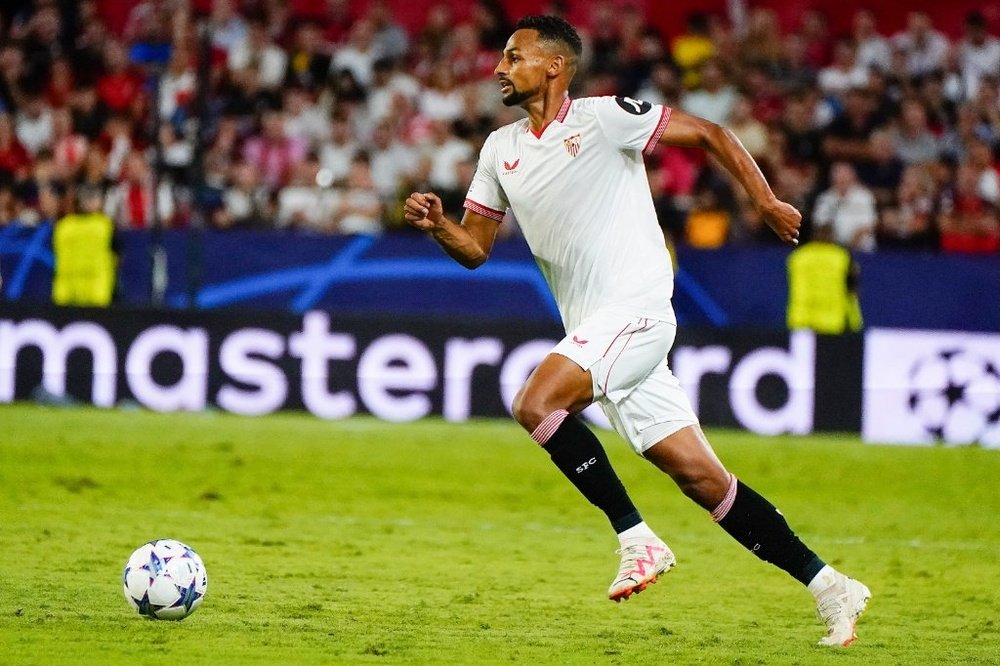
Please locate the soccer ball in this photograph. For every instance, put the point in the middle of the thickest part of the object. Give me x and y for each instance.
(164, 580)
(955, 395)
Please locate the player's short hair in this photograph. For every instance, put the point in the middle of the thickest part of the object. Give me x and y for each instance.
(554, 29)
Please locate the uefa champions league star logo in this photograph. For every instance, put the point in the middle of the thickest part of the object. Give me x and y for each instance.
(955, 395)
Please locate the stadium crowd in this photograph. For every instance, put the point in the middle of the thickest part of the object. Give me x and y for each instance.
(248, 116)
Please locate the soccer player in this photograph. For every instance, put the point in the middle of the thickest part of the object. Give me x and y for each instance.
(572, 174)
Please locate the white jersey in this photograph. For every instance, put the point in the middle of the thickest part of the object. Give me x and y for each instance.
(580, 194)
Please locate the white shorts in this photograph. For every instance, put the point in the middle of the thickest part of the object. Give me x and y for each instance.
(627, 359)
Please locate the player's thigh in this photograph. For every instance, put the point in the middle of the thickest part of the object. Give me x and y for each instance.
(653, 411)
(556, 383)
(619, 349)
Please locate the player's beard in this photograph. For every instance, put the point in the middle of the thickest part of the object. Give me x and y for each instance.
(517, 97)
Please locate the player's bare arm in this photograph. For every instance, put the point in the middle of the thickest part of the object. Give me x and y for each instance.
(468, 243)
(687, 130)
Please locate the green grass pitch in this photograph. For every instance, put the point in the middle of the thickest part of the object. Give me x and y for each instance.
(367, 542)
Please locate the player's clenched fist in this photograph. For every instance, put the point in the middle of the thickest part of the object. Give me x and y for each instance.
(785, 220)
(423, 211)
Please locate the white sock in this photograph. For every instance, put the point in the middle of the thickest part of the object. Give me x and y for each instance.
(826, 577)
(636, 531)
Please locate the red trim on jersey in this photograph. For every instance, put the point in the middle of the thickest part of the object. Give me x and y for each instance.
(564, 109)
(658, 132)
(607, 377)
(485, 211)
(560, 116)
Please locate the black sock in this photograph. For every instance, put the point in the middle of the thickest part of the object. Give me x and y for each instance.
(579, 455)
(755, 523)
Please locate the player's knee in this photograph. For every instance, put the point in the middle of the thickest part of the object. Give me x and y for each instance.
(528, 409)
(705, 487)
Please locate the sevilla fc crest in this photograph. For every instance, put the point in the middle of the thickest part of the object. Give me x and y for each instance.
(572, 145)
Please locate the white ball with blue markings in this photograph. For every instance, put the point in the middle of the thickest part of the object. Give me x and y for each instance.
(165, 580)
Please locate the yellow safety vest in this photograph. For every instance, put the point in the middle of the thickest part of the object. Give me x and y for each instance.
(85, 263)
(818, 293)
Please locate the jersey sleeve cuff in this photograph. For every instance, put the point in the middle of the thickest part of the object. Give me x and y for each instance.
(658, 132)
(485, 211)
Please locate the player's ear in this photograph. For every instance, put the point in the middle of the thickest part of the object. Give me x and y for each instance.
(557, 65)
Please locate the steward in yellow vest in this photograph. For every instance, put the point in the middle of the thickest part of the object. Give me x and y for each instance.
(822, 286)
(85, 259)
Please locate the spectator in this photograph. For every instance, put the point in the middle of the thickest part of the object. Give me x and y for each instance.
(359, 208)
(358, 56)
(304, 119)
(245, 202)
(260, 53)
(923, 47)
(795, 72)
(882, 172)
(85, 254)
(272, 152)
(766, 96)
(308, 65)
(708, 221)
(176, 153)
(12, 77)
(816, 33)
(69, 146)
(89, 115)
(978, 53)
(663, 86)
(43, 41)
(453, 199)
(715, 98)
(145, 19)
(751, 132)
(872, 50)
(844, 72)
(847, 136)
(445, 152)
(803, 139)
(434, 35)
(120, 86)
(301, 201)
(390, 160)
(338, 151)
(93, 171)
(915, 144)
(43, 193)
(441, 98)
(849, 207)
(388, 82)
(987, 179)
(692, 49)
(228, 28)
(760, 45)
(87, 56)
(116, 139)
(390, 39)
(942, 112)
(134, 203)
(470, 62)
(986, 107)
(971, 224)
(909, 224)
(15, 161)
(34, 124)
(492, 23)
(59, 89)
(177, 86)
(9, 212)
